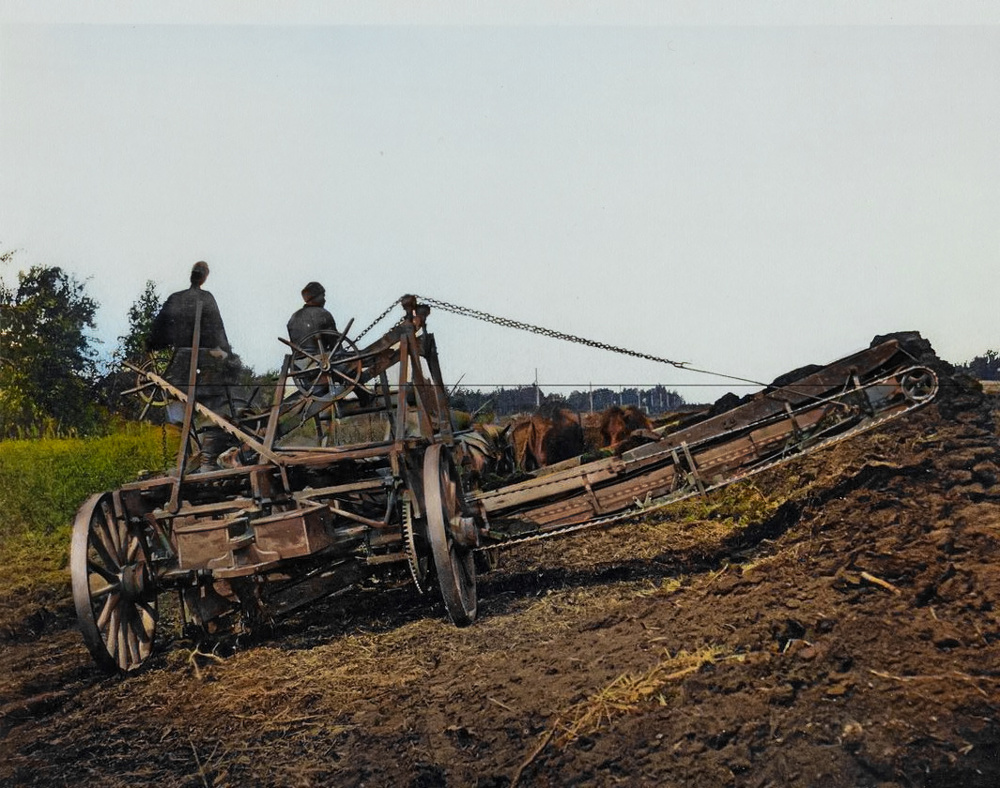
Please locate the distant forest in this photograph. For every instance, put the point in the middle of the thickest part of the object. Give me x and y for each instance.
(520, 399)
(985, 367)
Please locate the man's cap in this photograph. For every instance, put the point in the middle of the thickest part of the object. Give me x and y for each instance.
(313, 290)
(201, 267)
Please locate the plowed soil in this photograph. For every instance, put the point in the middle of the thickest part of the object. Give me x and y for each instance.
(849, 637)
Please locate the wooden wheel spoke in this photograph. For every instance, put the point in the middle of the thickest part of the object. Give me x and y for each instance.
(342, 375)
(103, 546)
(348, 358)
(121, 648)
(111, 626)
(104, 571)
(134, 548)
(303, 371)
(141, 388)
(110, 527)
(99, 593)
(105, 552)
(306, 354)
(134, 636)
(364, 388)
(133, 647)
(122, 530)
(110, 608)
(337, 345)
(137, 624)
(308, 379)
(150, 615)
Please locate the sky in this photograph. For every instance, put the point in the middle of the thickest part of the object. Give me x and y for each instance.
(747, 190)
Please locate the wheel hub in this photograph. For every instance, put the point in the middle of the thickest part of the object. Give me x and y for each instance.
(132, 579)
(464, 531)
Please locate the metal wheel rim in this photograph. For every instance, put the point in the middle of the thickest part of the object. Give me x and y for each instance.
(919, 385)
(456, 569)
(115, 600)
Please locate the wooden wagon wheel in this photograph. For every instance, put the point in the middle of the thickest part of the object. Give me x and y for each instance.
(325, 366)
(112, 587)
(455, 565)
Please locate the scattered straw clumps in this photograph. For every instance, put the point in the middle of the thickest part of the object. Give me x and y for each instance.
(628, 692)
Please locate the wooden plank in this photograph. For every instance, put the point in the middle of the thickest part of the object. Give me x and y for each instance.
(313, 492)
(554, 484)
(611, 498)
(236, 505)
(355, 517)
(330, 454)
(188, 407)
(275, 415)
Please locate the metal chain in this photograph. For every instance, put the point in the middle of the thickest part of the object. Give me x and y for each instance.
(378, 319)
(547, 332)
(163, 445)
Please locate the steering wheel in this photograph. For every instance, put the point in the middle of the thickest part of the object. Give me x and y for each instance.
(325, 365)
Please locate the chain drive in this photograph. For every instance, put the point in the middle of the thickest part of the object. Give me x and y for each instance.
(410, 545)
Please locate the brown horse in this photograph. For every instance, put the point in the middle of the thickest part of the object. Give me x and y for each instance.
(551, 435)
(617, 424)
(484, 450)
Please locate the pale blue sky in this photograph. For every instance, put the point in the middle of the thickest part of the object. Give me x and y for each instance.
(746, 197)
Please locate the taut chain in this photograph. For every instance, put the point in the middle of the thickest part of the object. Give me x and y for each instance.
(545, 332)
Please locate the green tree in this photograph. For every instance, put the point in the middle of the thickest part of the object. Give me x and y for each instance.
(132, 346)
(985, 367)
(48, 362)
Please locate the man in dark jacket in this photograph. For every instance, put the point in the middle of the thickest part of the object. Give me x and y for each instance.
(174, 325)
(312, 317)
(173, 328)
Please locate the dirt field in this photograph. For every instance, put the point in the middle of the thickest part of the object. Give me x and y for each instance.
(850, 638)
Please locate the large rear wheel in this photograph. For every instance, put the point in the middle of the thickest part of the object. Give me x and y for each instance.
(115, 598)
(453, 562)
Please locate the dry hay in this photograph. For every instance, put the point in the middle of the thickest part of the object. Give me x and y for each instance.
(629, 691)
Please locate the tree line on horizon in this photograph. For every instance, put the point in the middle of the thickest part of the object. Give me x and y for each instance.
(508, 400)
(55, 382)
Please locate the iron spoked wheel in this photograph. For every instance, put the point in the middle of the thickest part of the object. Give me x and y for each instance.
(455, 564)
(919, 385)
(150, 395)
(114, 596)
(325, 366)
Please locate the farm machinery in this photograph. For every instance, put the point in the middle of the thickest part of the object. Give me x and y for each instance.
(314, 509)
